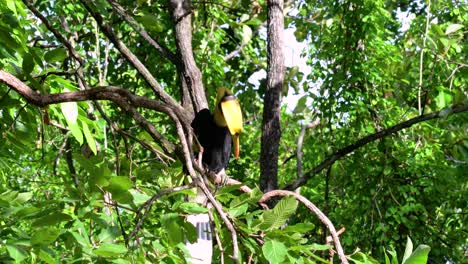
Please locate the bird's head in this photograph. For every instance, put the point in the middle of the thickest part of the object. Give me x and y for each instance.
(228, 113)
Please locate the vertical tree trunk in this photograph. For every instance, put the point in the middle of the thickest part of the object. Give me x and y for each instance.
(271, 130)
(190, 75)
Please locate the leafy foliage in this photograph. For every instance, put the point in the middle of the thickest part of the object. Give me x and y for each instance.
(73, 186)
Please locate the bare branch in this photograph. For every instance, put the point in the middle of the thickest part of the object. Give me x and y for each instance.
(316, 211)
(131, 58)
(457, 108)
(166, 53)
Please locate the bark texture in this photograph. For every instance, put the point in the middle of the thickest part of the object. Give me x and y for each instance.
(193, 94)
(271, 129)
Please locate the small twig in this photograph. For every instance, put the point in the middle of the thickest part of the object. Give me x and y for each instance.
(329, 240)
(59, 154)
(323, 218)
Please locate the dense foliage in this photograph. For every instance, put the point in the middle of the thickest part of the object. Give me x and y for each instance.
(76, 179)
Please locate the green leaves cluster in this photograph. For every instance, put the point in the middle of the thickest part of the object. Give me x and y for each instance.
(73, 189)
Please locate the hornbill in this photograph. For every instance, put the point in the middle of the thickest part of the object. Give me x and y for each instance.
(215, 133)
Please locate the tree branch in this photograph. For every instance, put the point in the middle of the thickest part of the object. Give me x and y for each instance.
(316, 211)
(457, 108)
(192, 85)
(166, 53)
(132, 59)
(123, 98)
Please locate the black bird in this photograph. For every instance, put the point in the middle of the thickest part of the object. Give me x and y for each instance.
(216, 132)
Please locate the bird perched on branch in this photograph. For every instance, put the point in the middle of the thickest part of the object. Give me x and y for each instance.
(216, 133)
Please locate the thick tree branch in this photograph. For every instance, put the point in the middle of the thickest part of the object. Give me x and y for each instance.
(121, 97)
(323, 218)
(192, 84)
(457, 108)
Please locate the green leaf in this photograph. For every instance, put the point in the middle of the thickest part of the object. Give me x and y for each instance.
(453, 28)
(51, 219)
(443, 99)
(275, 218)
(55, 55)
(28, 64)
(192, 208)
(299, 228)
(274, 251)
(23, 197)
(45, 236)
(238, 211)
(119, 188)
(408, 249)
(89, 138)
(81, 239)
(301, 105)
(70, 111)
(419, 256)
(46, 257)
(246, 33)
(17, 253)
(171, 225)
(110, 250)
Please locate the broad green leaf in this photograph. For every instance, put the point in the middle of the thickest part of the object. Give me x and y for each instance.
(55, 55)
(408, 249)
(394, 256)
(443, 99)
(89, 138)
(192, 208)
(300, 228)
(23, 197)
(109, 233)
(119, 187)
(276, 217)
(45, 236)
(11, 5)
(453, 28)
(170, 223)
(70, 111)
(274, 251)
(46, 257)
(246, 33)
(301, 105)
(110, 250)
(52, 219)
(238, 211)
(80, 239)
(16, 252)
(28, 63)
(419, 256)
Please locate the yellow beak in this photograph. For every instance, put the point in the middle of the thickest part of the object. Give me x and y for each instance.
(230, 116)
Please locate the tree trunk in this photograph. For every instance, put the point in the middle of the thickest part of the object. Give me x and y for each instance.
(271, 129)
